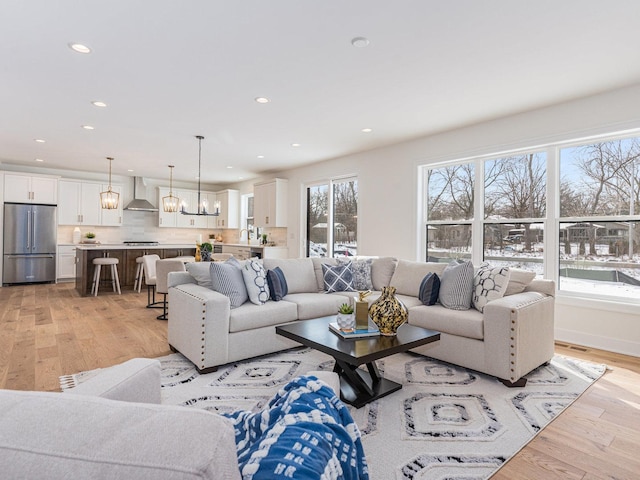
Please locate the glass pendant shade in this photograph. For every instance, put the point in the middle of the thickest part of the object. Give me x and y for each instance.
(109, 200)
(170, 203)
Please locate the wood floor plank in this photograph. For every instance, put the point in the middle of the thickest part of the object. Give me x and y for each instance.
(49, 330)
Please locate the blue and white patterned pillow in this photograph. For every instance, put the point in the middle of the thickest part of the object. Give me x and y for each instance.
(456, 286)
(338, 278)
(489, 283)
(255, 279)
(361, 269)
(226, 278)
(278, 288)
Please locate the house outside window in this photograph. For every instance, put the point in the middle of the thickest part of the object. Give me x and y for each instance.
(568, 211)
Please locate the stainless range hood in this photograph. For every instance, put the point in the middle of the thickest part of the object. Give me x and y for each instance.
(139, 202)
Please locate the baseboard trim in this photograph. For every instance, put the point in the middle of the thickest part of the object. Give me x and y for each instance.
(597, 341)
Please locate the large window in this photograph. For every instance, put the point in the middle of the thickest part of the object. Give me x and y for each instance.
(570, 212)
(450, 209)
(599, 248)
(332, 218)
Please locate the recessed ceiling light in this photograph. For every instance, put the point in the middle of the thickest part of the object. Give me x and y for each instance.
(260, 156)
(38, 140)
(87, 127)
(359, 42)
(262, 100)
(39, 160)
(130, 170)
(240, 178)
(367, 130)
(97, 103)
(295, 144)
(229, 167)
(78, 47)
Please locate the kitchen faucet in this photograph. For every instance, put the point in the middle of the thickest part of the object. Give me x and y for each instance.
(248, 235)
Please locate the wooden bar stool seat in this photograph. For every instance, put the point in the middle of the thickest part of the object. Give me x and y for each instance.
(115, 280)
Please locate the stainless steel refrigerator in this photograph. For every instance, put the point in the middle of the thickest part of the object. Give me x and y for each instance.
(29, 243)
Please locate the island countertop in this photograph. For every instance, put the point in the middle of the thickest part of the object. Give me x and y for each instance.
(122, 246)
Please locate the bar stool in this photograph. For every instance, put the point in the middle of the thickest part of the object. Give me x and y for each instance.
(115, 281)
(137, 284)
(163, 268)
(149, 262)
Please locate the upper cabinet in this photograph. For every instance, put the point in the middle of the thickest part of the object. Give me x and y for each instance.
(229, 209)
(80, 204)
(23, 188)
(270, 203)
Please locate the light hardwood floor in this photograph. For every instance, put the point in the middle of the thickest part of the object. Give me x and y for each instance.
(49, 330)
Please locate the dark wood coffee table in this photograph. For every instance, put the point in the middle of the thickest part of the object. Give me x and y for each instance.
(357, 386)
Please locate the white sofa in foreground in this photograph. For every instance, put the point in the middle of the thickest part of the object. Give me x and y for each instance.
(113, 427)
(513, 335)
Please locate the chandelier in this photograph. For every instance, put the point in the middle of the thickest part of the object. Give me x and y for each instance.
(170, 202)
(109, 199)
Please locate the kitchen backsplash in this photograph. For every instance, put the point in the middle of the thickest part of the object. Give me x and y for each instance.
(143, 226)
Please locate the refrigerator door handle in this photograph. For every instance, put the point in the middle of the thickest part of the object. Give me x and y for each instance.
(14, 255)
(28, 229)
(33, 229)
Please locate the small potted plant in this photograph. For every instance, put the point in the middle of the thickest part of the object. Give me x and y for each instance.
(345, 318)
(90, 237)
(205, 251)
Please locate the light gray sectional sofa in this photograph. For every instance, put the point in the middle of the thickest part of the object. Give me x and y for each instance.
(514, 334)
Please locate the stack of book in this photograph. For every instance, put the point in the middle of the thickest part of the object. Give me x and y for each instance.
(372, 331)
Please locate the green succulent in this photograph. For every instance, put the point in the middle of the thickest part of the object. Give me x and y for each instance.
(345, 308)
(90, 235)
(206, 246)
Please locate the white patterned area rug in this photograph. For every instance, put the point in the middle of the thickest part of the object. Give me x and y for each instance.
(446, 422)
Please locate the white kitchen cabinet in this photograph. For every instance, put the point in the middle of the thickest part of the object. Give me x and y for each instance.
(79, 203)
(108, 217)
(66, 261)
(229, 209)
(23, 188)
(270, 203)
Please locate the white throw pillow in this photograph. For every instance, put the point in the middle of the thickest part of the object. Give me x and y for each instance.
(519, 280)
(255, 279)
(489, 283)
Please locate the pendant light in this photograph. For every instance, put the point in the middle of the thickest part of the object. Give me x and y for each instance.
(202, 205)
(109, 199)
(170, 202)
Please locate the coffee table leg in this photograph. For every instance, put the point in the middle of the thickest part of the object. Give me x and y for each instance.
(359, 387)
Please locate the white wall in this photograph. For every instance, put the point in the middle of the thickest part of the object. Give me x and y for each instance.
(388, 195)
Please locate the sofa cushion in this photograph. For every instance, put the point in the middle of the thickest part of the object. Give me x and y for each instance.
(361, 268)
(59, 436)
(298, 272)
(463, 323)
(381, 271)
(317, 269)
(277, 284)
(315, 305)
(201, 272)
(429, 289)
(456, 286)
(227, 279)
(251, 316)
(338, 278)
(408, 275)
(489, 283)
(408, 301)
(519, 280)
(255, 279)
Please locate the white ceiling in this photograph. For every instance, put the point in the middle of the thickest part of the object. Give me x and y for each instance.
(172, 69)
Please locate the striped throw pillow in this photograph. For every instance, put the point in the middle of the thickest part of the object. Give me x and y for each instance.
(456, 286)
(226, 278)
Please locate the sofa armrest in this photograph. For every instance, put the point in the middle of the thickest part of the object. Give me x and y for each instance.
(136, 380)
(518, 333)
(198, 324)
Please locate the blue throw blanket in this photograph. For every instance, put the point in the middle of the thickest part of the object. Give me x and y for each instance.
(305, 432)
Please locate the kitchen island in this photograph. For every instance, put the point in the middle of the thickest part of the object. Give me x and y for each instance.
(126, 254)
